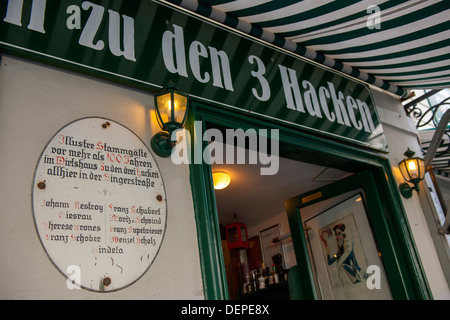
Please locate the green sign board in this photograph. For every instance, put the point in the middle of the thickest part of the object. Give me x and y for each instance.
(150, 43)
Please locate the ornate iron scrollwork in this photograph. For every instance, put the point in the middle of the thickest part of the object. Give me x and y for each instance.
(430, 117)
(437, 152)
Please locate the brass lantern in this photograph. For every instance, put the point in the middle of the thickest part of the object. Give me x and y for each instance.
(171, 111)
(413, 171)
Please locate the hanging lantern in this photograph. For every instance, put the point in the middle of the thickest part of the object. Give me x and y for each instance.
(237, 236)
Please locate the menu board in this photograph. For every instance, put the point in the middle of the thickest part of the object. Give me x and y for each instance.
(99, 204)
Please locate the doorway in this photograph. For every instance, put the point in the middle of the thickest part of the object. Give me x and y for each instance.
(296, 148)
(258, 201)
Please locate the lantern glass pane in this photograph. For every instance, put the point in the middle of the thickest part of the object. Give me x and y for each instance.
(421, 168)
(243, 233)
(164, 106)
(403, 169)
(413, 168)
(180, 103)
(232, 235)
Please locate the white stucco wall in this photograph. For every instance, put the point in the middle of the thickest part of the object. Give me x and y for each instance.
(400, 134)
(36, 101)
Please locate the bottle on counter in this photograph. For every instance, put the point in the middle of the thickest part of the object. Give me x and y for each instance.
(261, 282)
(254, 282)
(276, 276)
(270, 275)
(246, 285)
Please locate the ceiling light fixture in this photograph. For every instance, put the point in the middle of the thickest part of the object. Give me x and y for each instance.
(221, 180)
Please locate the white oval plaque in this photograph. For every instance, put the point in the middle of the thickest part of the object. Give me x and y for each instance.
(99, 204)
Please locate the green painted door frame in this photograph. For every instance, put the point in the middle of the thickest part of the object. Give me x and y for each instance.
(364, 183)
(392, 230)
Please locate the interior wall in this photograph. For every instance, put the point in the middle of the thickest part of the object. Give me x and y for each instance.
(288, 248)
(36, 101)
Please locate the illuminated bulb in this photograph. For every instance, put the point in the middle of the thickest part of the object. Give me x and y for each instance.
(412, 168)
(411, 165)
(221, 180)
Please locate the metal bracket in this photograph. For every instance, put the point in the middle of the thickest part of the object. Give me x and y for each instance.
(429, 156)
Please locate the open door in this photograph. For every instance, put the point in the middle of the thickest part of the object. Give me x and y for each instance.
(334, 231)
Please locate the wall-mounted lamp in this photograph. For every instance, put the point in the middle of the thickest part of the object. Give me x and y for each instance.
(171, 111)
(413, 171)
(221, 180)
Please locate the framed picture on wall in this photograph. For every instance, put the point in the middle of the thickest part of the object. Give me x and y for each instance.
(268, 247)
(342, 249)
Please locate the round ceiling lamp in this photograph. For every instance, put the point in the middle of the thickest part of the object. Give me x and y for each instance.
(221, 180)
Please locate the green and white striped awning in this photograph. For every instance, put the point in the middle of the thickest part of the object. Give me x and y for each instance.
(395, 45)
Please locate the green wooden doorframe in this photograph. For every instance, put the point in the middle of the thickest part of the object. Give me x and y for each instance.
(306, 147)
(398, 279)
(208, 230)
